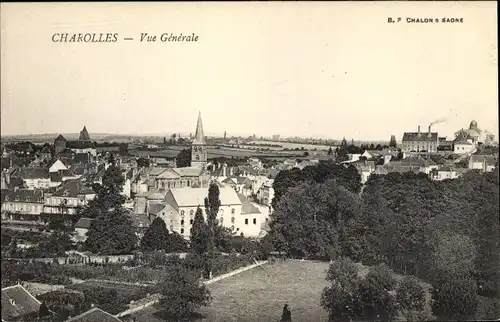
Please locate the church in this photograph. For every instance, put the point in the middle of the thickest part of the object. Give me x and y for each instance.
(195, 176)
(475, 135)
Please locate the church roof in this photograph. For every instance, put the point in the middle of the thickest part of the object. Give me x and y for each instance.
(199, 137)
(60, 138)
(84, 135)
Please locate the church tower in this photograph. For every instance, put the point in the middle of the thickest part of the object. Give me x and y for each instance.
(199, 147)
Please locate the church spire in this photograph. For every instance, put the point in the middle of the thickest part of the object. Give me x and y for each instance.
(84, 134)
(199, 138)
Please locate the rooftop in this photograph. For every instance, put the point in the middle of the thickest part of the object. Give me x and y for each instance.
(17, 302)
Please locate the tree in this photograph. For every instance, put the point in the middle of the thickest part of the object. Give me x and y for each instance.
(184, 158)
(330, 151)
(182, 292)
(156, 236)
(381, 277)
(344, 273)
(199, 234)
(311, 219)
(375, 302)
(43, 311)
(212, 205)
(454, 299)
(410, 297)
(111, 232)
(177, 243)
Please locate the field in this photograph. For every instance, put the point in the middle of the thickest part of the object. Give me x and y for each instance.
(226, 152)
(258, 295)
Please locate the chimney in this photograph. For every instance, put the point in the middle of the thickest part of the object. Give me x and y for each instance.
(418, 130)
(429, 133)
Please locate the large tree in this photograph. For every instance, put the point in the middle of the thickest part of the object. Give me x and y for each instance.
(182, 293)
(312, 219)
(111, 232)
(184, 158)
(156, 236)
(410, 297)
(454, 298)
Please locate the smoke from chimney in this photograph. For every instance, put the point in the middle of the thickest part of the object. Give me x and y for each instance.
(437, 121)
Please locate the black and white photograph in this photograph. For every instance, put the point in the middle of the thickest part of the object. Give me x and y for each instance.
(300, 161)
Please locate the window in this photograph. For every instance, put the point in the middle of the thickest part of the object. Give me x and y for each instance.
(191, 221)
(182, 230)
(232, 227)
(171, 228)
(182, 222)
(189, 183)
(221, 219)
(255, 221)
(232, 220)
(182, 213)
(232, 211)
(246, 221)
(191, 212)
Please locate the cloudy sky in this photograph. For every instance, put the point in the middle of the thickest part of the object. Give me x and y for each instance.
(305, 69)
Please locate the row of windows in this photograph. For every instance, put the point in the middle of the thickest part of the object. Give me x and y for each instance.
(174, 184)
(28, 208)
(221, 212)
(254, 221)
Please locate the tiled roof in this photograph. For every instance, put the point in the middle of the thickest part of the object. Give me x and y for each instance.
(60, 138)
(94, 315)
(192, 197)
(490, 159)
(33, 173)
(422, 136)
(380, 170)
(24, 195)
(139, 220)
(72, 189)
(169, 174)
(462, 143)
(156, 207)
(46, 149)
(84, 223)
(247, 207)
(17, 302)
(188, 171)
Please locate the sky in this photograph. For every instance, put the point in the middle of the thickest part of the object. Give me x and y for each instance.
(309, 69)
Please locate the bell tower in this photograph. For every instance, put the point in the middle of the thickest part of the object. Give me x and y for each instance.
(199, 147)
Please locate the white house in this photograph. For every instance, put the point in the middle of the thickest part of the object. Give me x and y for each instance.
(485, 163)
(22, 202)
(34, 178)
(265, 194)
(463, 147)
(68, 197)
(180, 204)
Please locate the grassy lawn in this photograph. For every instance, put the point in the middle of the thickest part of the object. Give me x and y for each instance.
(259, 295)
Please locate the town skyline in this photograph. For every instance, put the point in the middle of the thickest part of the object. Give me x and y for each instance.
(313, 72)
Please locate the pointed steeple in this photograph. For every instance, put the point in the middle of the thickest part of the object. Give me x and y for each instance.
(84, 135)
(199, 138)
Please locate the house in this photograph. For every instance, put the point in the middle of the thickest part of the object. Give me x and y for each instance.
(251, 218)
(241, 185)
(420, 142)
(365, 169)
(265, 194)
(463, 147)
(418, 164)
(59, 144)
(68, 197)
(445, 172)
(95, 314)
(46, 154)
(484, 163)
(18, 304)
(81, 228)
(34, 178)
(82, 147)
(183, 203)
(57, 166)
(22, 203)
